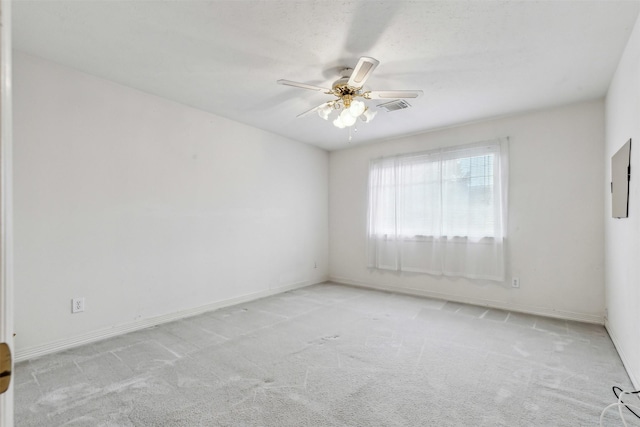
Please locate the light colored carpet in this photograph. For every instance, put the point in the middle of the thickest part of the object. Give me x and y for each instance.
(331, 355)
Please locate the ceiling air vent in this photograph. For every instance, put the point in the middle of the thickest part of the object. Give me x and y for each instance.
(398, 104)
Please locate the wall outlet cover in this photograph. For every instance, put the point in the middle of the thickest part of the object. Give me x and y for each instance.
(77, 305)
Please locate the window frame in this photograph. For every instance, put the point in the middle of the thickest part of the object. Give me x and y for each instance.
(484, 148)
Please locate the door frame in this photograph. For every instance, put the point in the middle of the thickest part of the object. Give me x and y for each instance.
(6, 205)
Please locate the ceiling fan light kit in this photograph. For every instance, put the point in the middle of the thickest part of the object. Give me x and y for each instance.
(346, 89)
(368, 115)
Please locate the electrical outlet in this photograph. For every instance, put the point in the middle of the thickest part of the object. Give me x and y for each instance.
(515, 282)
(77, 305)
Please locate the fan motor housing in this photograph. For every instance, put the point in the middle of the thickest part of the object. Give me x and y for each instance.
(341, 82)
(341, 88)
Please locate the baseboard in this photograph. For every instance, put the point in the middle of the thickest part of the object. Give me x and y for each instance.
(623, 357)
(539, 311)
(98, 335)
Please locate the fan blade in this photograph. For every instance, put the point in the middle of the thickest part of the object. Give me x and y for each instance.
(392, 94)
(302, 85)
(363, 70)
(306, 113)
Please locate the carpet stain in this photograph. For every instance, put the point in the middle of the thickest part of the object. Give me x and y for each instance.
(550, 380)
(188, 382)
(322, 340)
(60, 396)
(502, 395)
(520, 351)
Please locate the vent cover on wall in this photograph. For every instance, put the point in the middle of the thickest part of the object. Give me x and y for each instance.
(398, 104)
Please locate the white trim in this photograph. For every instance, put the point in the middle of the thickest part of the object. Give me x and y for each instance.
(623, 357)
(101, 334)
(6, 205)
(538, 311)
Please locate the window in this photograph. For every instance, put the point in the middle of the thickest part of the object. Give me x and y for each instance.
(440, 212)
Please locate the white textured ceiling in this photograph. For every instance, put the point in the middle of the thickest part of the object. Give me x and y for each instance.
(472, 59)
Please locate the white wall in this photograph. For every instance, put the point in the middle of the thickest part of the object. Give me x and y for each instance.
(148, 208)
(622, 236)
(555, 233)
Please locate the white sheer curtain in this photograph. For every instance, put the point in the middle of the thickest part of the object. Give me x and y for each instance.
(440, 212)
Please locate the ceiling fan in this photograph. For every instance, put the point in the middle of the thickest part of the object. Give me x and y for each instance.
(347, 89)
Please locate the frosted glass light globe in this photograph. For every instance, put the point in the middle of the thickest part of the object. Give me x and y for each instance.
(338, 123)
(347, 118)
(324, 111)
(369, 115)
(356, 108)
